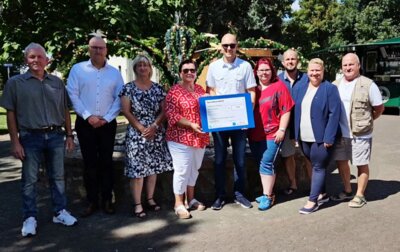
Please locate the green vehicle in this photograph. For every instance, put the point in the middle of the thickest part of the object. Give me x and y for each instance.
(381, 62)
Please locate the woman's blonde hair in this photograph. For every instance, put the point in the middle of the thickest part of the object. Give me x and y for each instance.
(317, 61)
(142, 58)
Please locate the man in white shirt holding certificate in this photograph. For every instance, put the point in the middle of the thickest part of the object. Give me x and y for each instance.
(230, 75)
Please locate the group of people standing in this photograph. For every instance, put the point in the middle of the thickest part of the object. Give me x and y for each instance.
(328, 121)
(164, 132)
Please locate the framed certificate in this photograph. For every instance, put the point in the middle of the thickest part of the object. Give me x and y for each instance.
(226, 112)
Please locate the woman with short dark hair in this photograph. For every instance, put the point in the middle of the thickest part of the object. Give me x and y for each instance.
(186, 141)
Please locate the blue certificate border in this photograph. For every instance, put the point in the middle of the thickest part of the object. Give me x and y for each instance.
(203, 112)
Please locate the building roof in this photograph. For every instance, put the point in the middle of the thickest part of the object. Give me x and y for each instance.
(391, 41)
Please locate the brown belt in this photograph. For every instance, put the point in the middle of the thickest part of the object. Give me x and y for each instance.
(45, 130)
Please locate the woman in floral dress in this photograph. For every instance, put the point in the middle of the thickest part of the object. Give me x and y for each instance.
(146, 150)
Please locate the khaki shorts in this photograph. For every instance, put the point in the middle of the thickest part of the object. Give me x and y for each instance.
(288, 146)
(342, 149)
(357, 150)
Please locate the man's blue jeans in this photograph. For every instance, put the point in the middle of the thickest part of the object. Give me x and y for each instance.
(50, 148)
(221, 143)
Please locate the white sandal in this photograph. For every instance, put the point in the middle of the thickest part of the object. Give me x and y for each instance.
(194, 204)
(181, 212)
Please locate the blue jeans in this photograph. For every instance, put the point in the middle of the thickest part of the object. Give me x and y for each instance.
(268, 159)
(37, 146)
(319, 157)
(221, 143)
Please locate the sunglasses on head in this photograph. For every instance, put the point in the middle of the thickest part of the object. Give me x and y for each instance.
(232, 46)
(187, 70)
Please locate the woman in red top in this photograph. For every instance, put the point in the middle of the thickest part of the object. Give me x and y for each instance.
(186, 141)
(273, 104)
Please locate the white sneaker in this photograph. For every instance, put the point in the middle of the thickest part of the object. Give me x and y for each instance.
(29, 227)
(65, 218)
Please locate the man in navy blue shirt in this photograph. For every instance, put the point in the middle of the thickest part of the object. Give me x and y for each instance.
(291, 77)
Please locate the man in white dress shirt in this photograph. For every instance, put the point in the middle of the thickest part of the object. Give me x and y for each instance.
(93, 87)
(230, 75)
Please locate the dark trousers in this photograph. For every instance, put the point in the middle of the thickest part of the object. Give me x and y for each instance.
(97, 146)
(221, 143)
(319, 157)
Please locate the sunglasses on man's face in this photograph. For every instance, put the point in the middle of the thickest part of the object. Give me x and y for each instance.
(232, 46)
(187, 70)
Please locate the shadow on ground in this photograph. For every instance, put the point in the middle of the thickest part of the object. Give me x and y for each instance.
(120, 232)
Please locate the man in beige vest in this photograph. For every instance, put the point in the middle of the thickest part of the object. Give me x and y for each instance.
(361, 105)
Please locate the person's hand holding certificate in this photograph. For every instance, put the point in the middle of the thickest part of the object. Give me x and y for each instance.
(226, 112)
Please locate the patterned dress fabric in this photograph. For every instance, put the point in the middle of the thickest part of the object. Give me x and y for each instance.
(145, 157)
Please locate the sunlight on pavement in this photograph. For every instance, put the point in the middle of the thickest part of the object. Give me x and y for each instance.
(142, 228)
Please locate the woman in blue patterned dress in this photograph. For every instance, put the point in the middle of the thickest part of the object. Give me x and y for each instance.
(146, 149)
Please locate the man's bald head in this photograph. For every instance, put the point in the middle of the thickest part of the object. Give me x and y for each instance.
(351, 66)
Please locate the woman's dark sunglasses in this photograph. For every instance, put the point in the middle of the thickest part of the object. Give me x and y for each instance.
(187, 70)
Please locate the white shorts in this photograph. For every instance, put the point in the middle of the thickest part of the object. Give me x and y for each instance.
(361, 151)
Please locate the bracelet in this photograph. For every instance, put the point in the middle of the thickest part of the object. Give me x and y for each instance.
(282, 129)
(71, 136)
(155, 126)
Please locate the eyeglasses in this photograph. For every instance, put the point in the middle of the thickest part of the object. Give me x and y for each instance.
(100, 48)
(187, 70)
(263, 70)
(232, 46)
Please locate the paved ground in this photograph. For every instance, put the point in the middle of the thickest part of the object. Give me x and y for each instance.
(335, 227)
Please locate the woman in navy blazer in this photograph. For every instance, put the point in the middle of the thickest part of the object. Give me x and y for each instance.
(317, 113)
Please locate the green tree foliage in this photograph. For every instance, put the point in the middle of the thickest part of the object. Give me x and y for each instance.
(325, 23)
(62, 26)
(378, 20)
(360, 21)
(310, 27)
(247, 18)
(264, 18)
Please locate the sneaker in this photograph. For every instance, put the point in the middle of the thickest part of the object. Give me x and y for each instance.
(29, 227)
(266, 203)
(241, 200)
(309, 210)
(342, 196)
(259, 198)
(322, 199)
(65, 218)
(218, 204)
